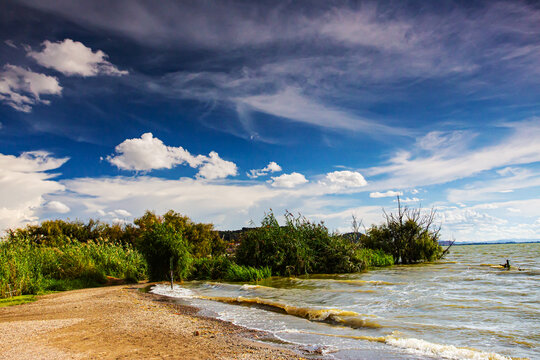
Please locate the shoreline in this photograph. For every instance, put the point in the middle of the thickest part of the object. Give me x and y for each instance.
(121, 322)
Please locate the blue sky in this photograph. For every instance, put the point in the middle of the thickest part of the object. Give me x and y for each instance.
(224, 110)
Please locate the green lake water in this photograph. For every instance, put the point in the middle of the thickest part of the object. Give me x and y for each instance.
(464, 307)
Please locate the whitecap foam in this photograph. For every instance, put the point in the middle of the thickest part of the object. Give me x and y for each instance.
(441, 351)
(176, 291)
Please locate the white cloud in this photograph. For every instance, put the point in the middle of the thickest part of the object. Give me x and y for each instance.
(74, 58)
(345, 179)
(496, 188)
(289, 103)
(122, 212)
(288, 180)
(57, 207)
(487, 222)
(215, 167)
(10, 43)
(445, 165)
(23, 185)
(482, 206)
(408, 200)
(389, 193)
(451, 141)
(227, 205)
(22, 88)
(414, 191)
(149, 153)
(270, 168)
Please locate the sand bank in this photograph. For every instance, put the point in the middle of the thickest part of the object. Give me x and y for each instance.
(120, 322)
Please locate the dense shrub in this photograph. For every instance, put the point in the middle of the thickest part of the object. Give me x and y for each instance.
(210, 268)
(408, 235)
(163, 246)
(299, 247)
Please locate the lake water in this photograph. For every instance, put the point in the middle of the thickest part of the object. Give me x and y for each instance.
(464, 307)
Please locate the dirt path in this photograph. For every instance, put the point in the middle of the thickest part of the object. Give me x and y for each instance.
(119, 322)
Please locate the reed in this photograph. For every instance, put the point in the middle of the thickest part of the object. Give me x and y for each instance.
(26, 268)
(246, 273)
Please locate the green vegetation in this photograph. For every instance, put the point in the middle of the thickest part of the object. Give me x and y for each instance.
(210, 268)
(17, 300)
(63, 255)
(163, 246)
(223, 268)
(201, 239)
(300, 247)
(60, 232)
(246, 273)
(408, 235)
(27, 268)
(375, 258)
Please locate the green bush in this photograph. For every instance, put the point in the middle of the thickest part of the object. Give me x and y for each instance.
(408, 235)
(299, 247)
(210, 268)
(162, 246)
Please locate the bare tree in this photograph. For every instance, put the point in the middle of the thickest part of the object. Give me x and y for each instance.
(407, 225)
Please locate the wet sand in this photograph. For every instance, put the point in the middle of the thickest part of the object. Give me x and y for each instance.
(120, 322)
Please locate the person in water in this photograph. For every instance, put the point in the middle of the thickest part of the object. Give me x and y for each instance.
(507, 265)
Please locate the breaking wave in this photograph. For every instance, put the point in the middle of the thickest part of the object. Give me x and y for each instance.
(333, 316)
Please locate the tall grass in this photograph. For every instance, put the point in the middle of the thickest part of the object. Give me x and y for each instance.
(223, 268)
(375, 258)
(246, 273)
(30, 269)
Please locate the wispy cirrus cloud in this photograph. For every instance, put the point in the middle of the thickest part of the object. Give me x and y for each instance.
(406, 169)
(511, 179)
(291, 104)
(329, 57)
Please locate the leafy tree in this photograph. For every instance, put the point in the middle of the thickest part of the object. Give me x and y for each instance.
(410, 236)
(159, 243)
(202, 239)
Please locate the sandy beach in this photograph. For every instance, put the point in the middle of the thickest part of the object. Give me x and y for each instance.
(120, 322)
